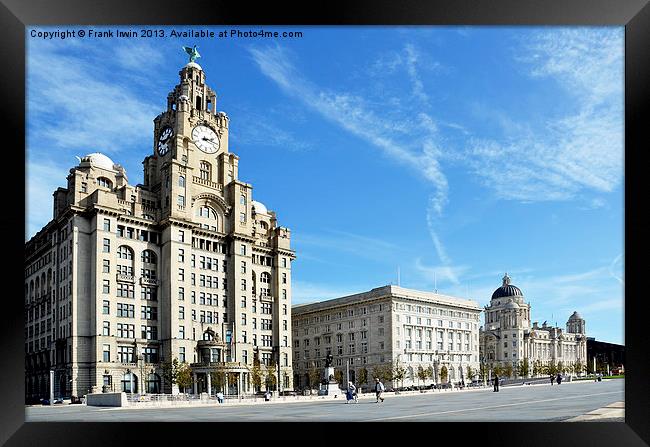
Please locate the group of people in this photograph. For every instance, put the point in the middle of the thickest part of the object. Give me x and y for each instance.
(557, 379)
(351, 392)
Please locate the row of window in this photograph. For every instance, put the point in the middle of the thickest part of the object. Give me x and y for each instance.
(128, 331)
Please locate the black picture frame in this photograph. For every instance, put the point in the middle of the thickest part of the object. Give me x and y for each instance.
(16, 15)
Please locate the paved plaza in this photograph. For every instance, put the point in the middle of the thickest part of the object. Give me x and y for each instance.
(517, 403)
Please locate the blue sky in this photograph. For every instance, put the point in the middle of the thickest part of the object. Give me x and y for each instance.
(452, 153)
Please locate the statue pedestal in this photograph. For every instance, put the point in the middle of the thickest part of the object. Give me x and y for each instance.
(331, 387)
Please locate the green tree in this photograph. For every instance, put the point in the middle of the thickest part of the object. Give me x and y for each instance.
(524, 368)
(430, 373)
(508, 370)
(470, 373)
(398, 372)
(338, 376)
(257, 374)
(314, 377)
(482, 371)
(363, 376)
(444, 374)
(552, 368)
(184, 376)
(498, 370)
(422, 374)
(269, 371)
(217, 380)
(170, 371)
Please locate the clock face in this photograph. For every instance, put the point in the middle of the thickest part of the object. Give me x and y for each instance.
(205, 139)
(164, 140)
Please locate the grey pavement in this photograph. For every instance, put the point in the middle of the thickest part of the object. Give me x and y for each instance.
(516, 403)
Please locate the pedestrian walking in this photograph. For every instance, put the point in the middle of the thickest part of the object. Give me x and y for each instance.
(552, 379)
(220, 397)
(379, 389)
(559, 378)
(351, 393)
(496, 383)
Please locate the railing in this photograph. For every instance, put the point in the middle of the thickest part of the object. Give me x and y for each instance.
(208, 183)
(148, 281)
(125, 278)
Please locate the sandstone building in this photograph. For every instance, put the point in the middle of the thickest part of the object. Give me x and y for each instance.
(186, 265)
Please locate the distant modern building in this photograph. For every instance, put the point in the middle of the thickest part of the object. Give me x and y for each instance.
(508, 337)
(386, 325)
(606, 354)
(185, 266)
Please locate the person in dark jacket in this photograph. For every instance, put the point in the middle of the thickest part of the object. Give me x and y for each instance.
(552, 379)
(496, 383)
(559, 378)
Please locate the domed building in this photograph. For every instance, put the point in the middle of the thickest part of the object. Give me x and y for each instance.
(509, 339)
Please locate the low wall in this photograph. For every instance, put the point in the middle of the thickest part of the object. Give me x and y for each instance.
(106, 400)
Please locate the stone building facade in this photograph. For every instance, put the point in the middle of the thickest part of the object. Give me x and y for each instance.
(508, 336)
(186, 266)
(383, 326)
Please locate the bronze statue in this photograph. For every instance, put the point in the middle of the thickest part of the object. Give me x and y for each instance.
(328, 360)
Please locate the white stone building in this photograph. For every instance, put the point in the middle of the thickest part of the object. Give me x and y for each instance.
(386, 325)
(184, 266)
(508, 337)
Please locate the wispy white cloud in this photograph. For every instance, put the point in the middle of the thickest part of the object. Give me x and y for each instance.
(357, 116)
(349, 243)
(562, 157)
(437, 275)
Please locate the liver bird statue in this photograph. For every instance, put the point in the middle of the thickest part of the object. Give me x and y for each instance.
(194, 54)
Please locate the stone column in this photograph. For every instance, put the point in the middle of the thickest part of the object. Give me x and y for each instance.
(194, 381)
(209, 384)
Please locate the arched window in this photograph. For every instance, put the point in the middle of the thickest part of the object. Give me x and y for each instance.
(153, 383)
(126, 383)
(242, 200)
(124, 252)
(265, 278)
(106, 183)
(207, 212)
(149, 257)
(38, 287)
(205, 170)
(181, 181)
(208, 335)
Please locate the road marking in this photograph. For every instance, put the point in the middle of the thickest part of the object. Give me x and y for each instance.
(486, 408)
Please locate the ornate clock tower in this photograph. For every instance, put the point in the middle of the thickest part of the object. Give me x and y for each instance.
(226, 294)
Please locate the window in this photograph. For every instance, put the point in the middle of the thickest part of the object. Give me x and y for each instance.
(242, 217)
(106, 353)
(104, 182)
(284, 262)
(266, 308)
(149, 332)
(181, 236)
(243, 267)
(181, 354)
(181, 274)
(205, 170)
(125, 290)
(126, 354)
(243, 284)
(106, 286)
(84, 187)
(242, 250)
(107, 225)
(106, 307)
(107, 246)
(148, 293)
(181, 313)
(149, 257)
(181, 200)
(181, 293)
(106, 266)
(149, 313)
(106, 329)
(181, 331)
(181, 181)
